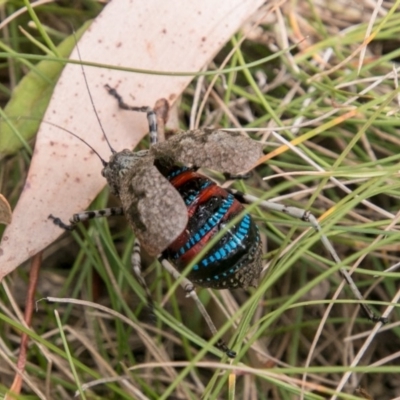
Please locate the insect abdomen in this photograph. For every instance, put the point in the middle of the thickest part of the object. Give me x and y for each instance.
(235, 259)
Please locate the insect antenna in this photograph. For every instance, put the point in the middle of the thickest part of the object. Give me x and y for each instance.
(91, 98)
(8, 119)
(104, 162)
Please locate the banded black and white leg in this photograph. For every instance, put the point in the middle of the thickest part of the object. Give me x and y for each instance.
(86, 215)
(186, 285)
(190, 290)
(151, 115)
(306, 216)
(105, 213)
(136, 263)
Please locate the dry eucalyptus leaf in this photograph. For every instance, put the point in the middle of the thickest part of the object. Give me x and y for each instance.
(5, 211)
(65, 174)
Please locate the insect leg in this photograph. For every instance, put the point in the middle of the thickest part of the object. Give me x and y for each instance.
(137, 270)
(76, 218)
(151, 115)
(308, 217)
(189, 288)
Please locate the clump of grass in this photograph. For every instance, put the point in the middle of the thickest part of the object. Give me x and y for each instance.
(328, 112)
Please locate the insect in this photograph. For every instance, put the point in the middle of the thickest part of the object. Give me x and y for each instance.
(175, 211)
